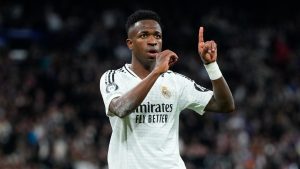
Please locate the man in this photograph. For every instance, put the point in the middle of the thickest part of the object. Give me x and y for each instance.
(144, 99)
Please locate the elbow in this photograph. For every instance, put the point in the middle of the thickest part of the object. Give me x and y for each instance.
(121, 114)
(229, 108)
(226, 107)
(119, 110)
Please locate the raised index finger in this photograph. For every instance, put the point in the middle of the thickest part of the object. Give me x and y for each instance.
(201, 30)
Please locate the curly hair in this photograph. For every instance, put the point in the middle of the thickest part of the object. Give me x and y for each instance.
(141, 15)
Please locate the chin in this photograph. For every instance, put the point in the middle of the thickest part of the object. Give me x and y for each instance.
(149, 64)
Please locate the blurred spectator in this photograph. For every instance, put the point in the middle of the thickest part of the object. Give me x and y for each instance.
(52, 54)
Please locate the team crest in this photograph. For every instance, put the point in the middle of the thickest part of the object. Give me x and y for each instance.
(111, 87)
(165, 92)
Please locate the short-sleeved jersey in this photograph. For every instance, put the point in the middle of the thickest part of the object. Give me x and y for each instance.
(149, 136)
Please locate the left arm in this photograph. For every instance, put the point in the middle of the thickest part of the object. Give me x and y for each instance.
(222, 100)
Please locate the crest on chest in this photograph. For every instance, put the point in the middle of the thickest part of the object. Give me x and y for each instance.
(165, 91)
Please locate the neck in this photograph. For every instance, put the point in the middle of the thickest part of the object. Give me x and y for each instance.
(140, 70)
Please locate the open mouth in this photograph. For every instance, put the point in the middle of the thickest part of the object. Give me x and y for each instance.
(152, 53)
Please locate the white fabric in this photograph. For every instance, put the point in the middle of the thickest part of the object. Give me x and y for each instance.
(148, 137)
(213, 71)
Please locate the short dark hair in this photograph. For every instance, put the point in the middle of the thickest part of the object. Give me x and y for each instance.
(139, 15)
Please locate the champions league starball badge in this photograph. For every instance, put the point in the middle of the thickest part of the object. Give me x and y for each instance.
(111, 87)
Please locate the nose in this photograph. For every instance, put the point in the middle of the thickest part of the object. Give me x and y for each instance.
(152, 41)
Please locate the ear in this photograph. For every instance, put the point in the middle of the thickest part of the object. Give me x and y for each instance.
(129, 43)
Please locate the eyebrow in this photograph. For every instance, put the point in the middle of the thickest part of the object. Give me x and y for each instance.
(156, 32)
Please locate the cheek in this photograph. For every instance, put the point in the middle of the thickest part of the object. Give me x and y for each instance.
(140, 46)
(137, 49)
(159, 43)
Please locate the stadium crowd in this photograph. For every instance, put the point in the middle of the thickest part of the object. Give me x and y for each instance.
(52, 54)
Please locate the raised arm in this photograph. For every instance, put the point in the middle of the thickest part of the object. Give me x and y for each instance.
(222, 100)
(125, 104)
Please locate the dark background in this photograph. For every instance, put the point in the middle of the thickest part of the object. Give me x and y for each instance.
(53, 53)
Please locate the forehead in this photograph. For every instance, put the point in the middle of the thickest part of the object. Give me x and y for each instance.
(145, 25)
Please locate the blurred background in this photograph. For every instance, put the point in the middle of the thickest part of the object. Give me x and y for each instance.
(53, 53)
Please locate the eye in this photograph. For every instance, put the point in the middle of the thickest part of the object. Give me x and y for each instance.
(158, 36)
(143, 36)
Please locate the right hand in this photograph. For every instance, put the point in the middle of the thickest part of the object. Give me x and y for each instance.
(207, 50)
(164, 60)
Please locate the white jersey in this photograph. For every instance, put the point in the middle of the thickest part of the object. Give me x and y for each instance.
(148, 137)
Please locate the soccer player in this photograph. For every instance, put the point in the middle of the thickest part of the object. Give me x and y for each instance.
(143, 99)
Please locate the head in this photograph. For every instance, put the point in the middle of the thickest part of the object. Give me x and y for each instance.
(144, 36)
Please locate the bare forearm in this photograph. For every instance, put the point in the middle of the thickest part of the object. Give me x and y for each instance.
(125, 104)
(222, 95)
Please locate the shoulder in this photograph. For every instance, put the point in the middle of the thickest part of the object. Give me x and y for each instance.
(188, 82)
(113, 72)
(109, 75)
(179, 76)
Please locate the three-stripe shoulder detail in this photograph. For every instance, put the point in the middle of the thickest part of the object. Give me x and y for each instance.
(110, 76)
